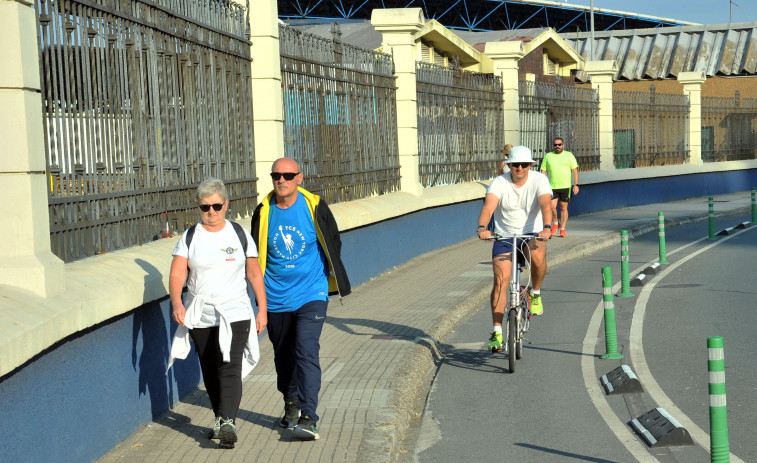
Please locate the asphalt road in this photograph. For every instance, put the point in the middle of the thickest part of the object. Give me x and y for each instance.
(553, 407)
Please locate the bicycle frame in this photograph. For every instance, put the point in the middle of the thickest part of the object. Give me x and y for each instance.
(516, 313)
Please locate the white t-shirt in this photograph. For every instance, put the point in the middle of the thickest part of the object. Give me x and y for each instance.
(217, 270)
(518, 211)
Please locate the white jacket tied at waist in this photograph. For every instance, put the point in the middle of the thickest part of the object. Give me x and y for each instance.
(180, 346)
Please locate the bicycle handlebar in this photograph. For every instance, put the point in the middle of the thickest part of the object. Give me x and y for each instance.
(497, 237)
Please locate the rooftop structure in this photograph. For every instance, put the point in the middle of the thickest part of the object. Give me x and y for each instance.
(478, 15)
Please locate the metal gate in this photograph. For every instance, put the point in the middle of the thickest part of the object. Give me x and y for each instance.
(340, 115)
(548, 111)
(651, 129)
(460, 124)
(729, 128)
(142, 100)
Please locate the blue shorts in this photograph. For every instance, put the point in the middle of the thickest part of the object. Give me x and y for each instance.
(506, 246)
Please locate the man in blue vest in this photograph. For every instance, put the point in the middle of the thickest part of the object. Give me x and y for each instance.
(299, 253)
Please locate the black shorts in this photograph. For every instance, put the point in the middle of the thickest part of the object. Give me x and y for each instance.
(563, 194)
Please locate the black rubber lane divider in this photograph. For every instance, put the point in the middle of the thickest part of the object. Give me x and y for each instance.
(659, 429)
(621, 380)
(638, 280)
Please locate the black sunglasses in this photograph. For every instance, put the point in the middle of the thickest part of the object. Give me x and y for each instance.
(287, 175)
(522, 165)
(206, 207)
(558, 144)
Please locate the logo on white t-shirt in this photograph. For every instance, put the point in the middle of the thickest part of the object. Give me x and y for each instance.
(289, 242)
(229, 253)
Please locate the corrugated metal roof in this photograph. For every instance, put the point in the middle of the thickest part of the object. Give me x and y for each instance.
(725, 50)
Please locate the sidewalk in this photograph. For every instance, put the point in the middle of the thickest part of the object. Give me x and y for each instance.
(378, 352)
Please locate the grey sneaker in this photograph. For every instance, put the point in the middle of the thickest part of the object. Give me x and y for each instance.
(227, 434)
(291, 414)
(306, 429)
(216, 428)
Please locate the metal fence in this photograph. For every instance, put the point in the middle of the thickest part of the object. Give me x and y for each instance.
(548, 111)
(650, 129)
(142, 100)
(340, 115)
(460, 125)
(729, 128)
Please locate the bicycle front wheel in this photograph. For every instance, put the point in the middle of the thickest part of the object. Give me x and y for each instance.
(512, 337)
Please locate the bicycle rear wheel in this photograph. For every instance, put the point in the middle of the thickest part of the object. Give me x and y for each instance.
(512, 336)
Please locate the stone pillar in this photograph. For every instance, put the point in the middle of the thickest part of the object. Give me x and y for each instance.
(25, 258)
(505, 56)
(602, 74)
(692, 86)
(267, 104)
(398, 27)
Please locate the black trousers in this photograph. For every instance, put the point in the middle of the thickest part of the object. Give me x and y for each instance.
(223, 381)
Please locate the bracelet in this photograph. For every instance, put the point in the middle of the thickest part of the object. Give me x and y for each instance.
(481, 226)
(547, 226)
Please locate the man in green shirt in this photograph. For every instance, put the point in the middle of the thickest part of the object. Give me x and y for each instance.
(559, 165)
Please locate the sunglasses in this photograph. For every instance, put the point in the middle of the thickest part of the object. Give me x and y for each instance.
(558, 144)
(206, 207)
(522, 165)
(287, 175)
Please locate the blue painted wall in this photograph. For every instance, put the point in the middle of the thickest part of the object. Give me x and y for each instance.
(92, 390)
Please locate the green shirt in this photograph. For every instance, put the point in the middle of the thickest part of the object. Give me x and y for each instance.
(558, 168)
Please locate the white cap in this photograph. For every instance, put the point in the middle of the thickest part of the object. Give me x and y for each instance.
(520, 153)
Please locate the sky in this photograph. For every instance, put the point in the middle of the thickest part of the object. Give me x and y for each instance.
(698, 11)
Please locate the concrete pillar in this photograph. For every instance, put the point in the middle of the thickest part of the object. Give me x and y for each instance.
(398, 27)
(602, 74)
(267, 104)
(692, 86)
(25, 258)
(505, 56)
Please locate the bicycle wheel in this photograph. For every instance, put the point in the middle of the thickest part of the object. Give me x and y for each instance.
(519, 342)
(512, 336)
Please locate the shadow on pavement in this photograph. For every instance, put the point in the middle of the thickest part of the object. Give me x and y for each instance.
(574, 456)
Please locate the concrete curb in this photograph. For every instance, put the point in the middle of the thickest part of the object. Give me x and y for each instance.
(382, 441)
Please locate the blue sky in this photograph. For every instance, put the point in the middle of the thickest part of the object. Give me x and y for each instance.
(698, 11)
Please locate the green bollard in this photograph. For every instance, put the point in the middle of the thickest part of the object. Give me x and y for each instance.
(718, 413)
(625, 287)
(661, 233)
(611, 336)
(754, 208)
(712, 219)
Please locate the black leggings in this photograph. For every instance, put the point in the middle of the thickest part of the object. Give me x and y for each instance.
(223, 381)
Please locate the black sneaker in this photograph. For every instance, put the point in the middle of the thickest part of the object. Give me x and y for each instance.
(227, 434)
(306, 429)
(291, 414)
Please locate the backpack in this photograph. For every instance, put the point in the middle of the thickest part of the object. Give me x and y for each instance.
(237, 228)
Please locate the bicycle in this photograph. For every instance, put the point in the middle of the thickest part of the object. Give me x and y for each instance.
(518, 308)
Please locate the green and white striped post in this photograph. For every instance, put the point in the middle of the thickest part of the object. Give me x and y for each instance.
(611, 336)
(754, 208)
(719, 451)
(712, 219)
(661, 234)
(625, 286)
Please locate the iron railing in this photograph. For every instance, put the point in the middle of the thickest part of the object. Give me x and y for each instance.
(460, 124)
(548, 111)
(340, 116)
(650, 129)
(729, 128)
(142, 100)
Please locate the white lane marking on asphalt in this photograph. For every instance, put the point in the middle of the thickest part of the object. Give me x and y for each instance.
(639, 360)
(598, 397)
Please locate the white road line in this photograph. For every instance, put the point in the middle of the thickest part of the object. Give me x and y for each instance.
(640, 363)
(597, 395)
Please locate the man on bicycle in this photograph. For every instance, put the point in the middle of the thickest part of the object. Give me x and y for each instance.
(520, 201)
